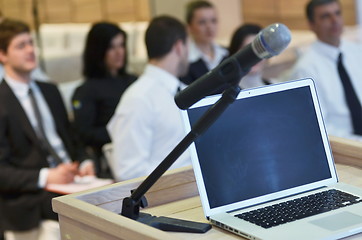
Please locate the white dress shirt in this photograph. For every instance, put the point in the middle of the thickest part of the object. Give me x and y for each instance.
(146, 126)
(21, 91)
(195, 54)
(320, 64)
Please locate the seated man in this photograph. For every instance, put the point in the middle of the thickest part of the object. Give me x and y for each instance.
(37, 146)
(37, 73)
(334, 64)
(147, 124)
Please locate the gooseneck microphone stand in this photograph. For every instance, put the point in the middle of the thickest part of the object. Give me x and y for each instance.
(131, 205)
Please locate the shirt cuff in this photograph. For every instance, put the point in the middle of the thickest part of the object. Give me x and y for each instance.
(43, 175)
(85, 163)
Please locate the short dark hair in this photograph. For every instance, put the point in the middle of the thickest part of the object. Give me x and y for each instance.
(309, 10)
(192, 6)
(162, 33)
(9, 28)
(240, 34)
(97, 43)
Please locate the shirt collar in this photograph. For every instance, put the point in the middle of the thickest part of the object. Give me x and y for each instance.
(20, 89)
(195, 53)
(166, 79)
(328, 50)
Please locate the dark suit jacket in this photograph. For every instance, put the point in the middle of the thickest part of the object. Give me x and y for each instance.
(22, 203)
(196, 70)
(94, 103)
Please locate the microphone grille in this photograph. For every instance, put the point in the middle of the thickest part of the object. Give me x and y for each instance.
(271, 41)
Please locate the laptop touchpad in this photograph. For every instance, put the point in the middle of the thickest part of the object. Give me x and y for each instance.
(338, 221)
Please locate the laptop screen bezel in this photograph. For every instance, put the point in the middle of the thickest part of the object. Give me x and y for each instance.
(262, 199)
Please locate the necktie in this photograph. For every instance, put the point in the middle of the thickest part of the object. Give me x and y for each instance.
(53, 158)
(352, 100)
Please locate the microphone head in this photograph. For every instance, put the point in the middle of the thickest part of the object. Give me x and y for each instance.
(271, 41)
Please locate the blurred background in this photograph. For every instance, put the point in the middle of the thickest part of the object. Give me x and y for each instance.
(60, 27)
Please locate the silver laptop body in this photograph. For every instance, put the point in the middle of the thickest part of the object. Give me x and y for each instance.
(269, 146)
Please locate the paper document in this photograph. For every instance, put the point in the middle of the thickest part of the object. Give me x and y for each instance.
(79, 184)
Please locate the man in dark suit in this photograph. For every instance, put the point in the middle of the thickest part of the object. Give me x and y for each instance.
(37, 146)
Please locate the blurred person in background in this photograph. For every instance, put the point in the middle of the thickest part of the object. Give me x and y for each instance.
(106, 78)
(147, 124)
(37, 73)
(204, 53)
(243, 36)
(334, 64)
(37, 144)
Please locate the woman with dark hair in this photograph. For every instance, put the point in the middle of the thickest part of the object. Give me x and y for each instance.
(242, 36)
(94, 102)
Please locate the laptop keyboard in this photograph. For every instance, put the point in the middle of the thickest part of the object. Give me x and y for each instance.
(299, 208)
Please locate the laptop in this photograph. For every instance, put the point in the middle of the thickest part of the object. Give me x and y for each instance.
(265, 170)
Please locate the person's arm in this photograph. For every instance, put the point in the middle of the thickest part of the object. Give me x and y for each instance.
(131, 133)
(71, 140)
(85, 113)
(13, 178)
(27, 179)
(86, 168)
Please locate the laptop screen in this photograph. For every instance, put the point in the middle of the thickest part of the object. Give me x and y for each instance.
(261, 145)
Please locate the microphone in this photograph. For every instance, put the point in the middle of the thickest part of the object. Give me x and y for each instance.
(271, 41)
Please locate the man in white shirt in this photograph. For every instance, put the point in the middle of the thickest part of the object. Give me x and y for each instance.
(204, 53)
(36, 142)
(147, 124)
(321, 62)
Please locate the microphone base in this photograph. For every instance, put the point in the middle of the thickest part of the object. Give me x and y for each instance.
(173, 224)
(131, 209)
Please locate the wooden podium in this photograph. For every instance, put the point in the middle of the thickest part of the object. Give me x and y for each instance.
(93, 214)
